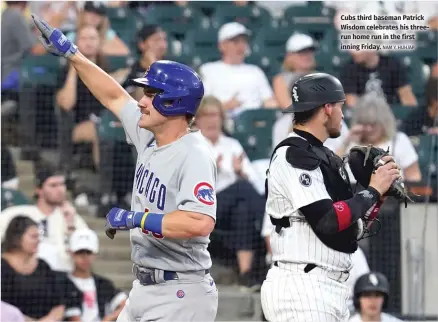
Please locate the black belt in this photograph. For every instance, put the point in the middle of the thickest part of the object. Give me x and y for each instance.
(148, 277)
(307, 269)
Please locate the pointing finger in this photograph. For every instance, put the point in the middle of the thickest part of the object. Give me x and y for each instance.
(45, 29)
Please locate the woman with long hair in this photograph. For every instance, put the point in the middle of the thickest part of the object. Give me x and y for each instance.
(374, 123)
(28, 282)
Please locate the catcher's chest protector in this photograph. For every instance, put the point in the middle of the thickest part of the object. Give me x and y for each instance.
(336, 182)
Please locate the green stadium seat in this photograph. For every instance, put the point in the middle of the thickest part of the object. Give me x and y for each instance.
(271, 41)
(253, 129)
(426, 46)
(176, 20)
(109, 128)
(416, 75)
(12, 198)
(253, 17)
(401, 113)
(201, 42)
(427, 149)
(124, 22)
(42, 70)
(269, 65)
(314, 18)
(329, 58)
(118, 62)
(206, 7)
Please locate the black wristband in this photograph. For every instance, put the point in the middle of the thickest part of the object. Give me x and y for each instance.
(375, 193)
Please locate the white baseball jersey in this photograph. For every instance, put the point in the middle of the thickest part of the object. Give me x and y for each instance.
(177, 176)
(384, 317)
(289, 189)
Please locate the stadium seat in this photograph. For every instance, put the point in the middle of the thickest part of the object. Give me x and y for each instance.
(109, 128)
(124, 22)
(253, 129)
(12, 198)
(206, 7)
(426, 45)
(329, 57)
(253, 17)
(416, 75)
(271, 41)
(174, 19)
(201, 43)
(314, 18)
(427, 148)
(269, 65)
(401, 113)
(118, 62)
(41, 70)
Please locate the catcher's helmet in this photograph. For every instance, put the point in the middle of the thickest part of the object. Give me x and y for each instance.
(181, 88)
(371, 282)
(314, 90)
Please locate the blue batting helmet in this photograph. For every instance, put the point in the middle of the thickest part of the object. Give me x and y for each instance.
(180, 87)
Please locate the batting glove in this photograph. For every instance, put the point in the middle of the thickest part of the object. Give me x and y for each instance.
(53, 39)
(118, 219)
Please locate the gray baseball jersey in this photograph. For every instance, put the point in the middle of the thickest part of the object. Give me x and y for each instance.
(177, 176)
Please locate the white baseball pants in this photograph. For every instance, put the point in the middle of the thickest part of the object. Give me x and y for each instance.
(290, 294)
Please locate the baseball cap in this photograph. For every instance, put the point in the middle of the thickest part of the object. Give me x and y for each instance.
(298, 42)
(231, 30)
(96, 7)
(84, 239)
(147, 31)
(44, 172)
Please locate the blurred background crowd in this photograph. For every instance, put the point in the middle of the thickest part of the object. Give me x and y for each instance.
(65, 160)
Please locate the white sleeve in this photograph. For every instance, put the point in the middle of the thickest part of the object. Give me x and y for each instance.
(301, 187)
(267, 226)
(404, 151)
(263, 85)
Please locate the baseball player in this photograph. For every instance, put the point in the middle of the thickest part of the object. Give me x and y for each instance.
(174, 201)
(317, 218)
(371, 292)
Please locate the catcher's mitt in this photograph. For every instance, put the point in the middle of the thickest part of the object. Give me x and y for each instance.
(364, 160)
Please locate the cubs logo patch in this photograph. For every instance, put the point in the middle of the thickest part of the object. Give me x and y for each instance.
(305, 179)
(180, 294)
(204, 192)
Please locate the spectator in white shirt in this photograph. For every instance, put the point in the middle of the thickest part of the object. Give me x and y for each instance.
(374, 123)
(298, 61)
(237, 85)
(101, 301)
(56, 218)
(239, 205)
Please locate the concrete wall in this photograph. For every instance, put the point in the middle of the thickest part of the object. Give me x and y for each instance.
(419, 247)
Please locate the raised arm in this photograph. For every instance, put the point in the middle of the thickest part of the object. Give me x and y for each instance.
(107, 90)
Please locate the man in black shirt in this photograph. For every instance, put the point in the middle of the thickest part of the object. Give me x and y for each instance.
(425, 119)
(371, 72)
(152, 46)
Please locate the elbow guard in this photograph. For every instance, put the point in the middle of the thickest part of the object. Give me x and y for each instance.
(340, 215)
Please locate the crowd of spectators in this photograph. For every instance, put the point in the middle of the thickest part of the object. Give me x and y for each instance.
(48, 242)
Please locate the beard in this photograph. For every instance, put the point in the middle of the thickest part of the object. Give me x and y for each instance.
(333, 133)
